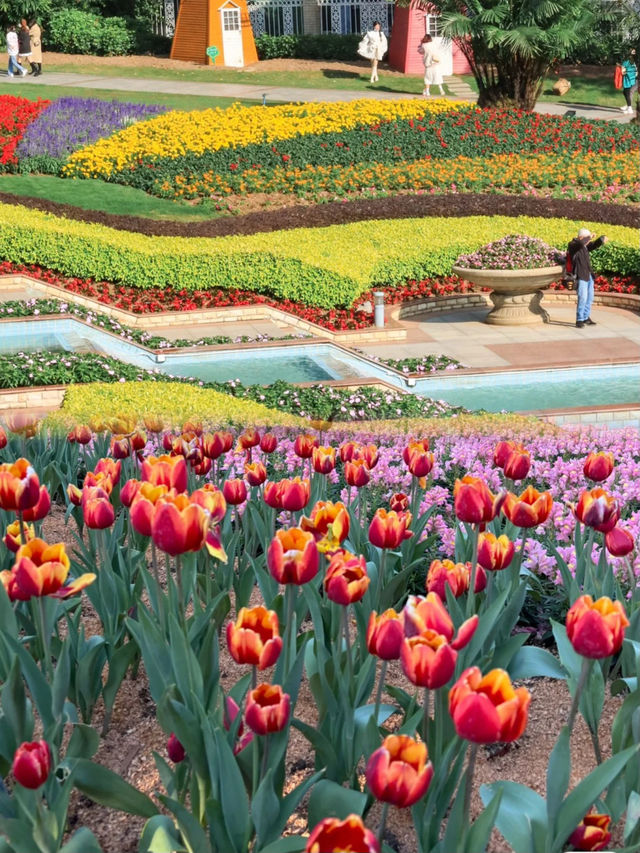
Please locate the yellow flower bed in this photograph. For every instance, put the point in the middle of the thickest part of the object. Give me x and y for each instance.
(173, 403)
(511, 424)
(178, 133)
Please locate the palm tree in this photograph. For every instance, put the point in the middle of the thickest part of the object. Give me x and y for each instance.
(511, 44)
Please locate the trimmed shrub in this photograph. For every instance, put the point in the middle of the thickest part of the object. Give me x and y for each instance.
(327, 46)
(73, 31)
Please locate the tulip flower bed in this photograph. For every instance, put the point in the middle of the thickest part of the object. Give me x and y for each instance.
(15, 116)
(367, 596)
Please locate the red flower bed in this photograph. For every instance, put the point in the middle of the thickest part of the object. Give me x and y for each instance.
(155, 300)
(15, 115)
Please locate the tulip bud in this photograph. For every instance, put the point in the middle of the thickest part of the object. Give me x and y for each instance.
(333, 835)
(486, 709)
(389, 529)
(41, 509)
(268, 709)
(399, 772)
(129, 492)
(12, 537)
(592, 833)
(346, 579)
(234, 491)
(323, 459)
(255, 473)
(304, 444)
(494, 552)
(80, 434)
(596, 628)
(529, 509)
(74, 494)
(473, 502)
(385, 634)
(598, 466)
(97, 510)
(175, 750)
(268, 442)
(356, 473)
(598, 509)
(32, 764)
(399, 502)
(292, 556)
(619, 542)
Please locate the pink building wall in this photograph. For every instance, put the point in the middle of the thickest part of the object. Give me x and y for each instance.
(408, 30)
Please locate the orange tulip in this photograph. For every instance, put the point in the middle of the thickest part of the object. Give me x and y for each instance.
(416, 444)
(19, 486)
(80, 434)
(329, 524)
(592, 833)
(428, 660)
(12, 535)
(457, 576)
(216, 444)
(529, 509)
(97, 509)
(596, 628)
(169, 471)
(41, 508)
(255, 473)
(385, 634)
(293, 557)
(399, 502)
(110, 468)
(419, 460)
(234, 491)
(153, 423)
(178, 526)
(212, 501)
(41, 569)
(369, 453)
(3, 439)
(74, 494)
(333, 835)
(486, 709)
(598, 466)
(494, 552)
(100, 480)
(294, 494)
(323, 459)
(473, 502)
(618, 541)
(272, 494)
(349, 451)
(346, 579)
(254, 637)
(399, 771)
(142, 507)
(356, 473)
(193, 426)
(421, 615)
(268, 709)
(598, 509)
(389, 529)
(248, 439)
(304, 444)
(268, 442)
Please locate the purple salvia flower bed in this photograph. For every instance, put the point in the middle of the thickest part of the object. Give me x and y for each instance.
(70, 123)
(513, 252)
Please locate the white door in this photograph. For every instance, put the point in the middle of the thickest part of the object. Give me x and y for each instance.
(232, 36)
(443, 46)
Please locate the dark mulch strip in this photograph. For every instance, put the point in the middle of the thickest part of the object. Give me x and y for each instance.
(341, 212)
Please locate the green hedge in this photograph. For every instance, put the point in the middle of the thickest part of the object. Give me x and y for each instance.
(328, 46)
(325, 267)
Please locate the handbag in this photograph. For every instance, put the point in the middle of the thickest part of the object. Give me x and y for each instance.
(365, 49)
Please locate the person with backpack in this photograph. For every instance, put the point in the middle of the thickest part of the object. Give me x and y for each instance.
(431, 60)
(579, 264)
(629, 70)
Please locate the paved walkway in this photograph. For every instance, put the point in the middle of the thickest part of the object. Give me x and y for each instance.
(282, 93)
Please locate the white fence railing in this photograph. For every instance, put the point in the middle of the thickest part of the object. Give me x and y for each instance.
(348, 18)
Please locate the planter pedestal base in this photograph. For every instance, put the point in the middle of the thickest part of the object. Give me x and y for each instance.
(517, 309)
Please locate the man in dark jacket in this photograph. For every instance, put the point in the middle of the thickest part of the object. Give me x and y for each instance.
(579, 249)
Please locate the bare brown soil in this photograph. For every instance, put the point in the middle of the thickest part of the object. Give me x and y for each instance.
(286, 213)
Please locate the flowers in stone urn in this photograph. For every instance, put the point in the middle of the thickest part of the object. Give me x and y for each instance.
(513, 252)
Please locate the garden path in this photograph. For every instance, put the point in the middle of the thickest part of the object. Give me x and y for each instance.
(281, 93)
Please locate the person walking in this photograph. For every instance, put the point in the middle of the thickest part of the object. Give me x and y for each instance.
(579, 250)
(629, 80)
(24, 44)
(12, 50)
(374, 47)
(432, 72)
(36, 47)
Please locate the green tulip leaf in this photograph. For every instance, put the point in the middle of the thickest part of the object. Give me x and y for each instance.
(160, 835)
(534, 662)
(328, 799)
(107, 788)
(522, 814)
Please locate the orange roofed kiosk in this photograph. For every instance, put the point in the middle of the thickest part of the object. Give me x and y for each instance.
(220, 24)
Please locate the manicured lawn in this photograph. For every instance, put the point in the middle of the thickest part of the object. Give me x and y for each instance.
(597, 91)
(98, 195)
(176, 102)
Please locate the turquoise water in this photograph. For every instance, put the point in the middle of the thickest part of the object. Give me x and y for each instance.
(511, 391)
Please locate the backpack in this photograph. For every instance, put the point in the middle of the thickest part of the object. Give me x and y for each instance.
(568, 272)
(617, 77)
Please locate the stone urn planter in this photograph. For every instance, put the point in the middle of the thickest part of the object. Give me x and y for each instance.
(516, 294)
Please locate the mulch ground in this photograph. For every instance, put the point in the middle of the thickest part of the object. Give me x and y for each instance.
(402, 206)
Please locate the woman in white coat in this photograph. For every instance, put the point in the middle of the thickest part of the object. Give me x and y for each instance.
(432, 72)
(375, 43)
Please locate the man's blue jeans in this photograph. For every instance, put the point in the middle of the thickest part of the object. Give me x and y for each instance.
(13, 66)
(585, 299)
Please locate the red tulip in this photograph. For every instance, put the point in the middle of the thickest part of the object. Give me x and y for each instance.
(517, 465)
(74, 494)
(592, 833)
(272, 494)
(457, 576)
(428, 660)
(120, 447)
(293, 557)
(268, 709)
(212, 501)
(19, 486)
(254, 637)
(416, 444)
(486, 709)
(596, 628)
(333, 835)
(598, 466)
(356, 473)
(32, 764)
(389, 529)
(399, 772)
(294, 494)
(399, 502)
(598, 509)
(248, 439)
(110, 468)
(268, 442)
(494, 552)
(129, 492)
(385, 634)
(304, 444)
(618, 541)
(169, 471)
(473, 502)
(97, 509)
(329, 524)
(529, 509)
(349, 451)
(175, 750)
(178, 526)
(80, 434)
(418, 458)
(346, 579)
(12, 535)
(142, 507)
(502, 452)
(216, 444)
(255, 473)
(3, 439)
(138, 441)
(41, 509)
(234, 491)
(369, 454)
(429, 614)
(323, 459)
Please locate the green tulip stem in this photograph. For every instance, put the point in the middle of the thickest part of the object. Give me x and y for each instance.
(46, 641)
(255, 765)
(426, 708)
(156, 575)
(254, 677)
(582, 680)
(23, 540)
(265, 758)
(380, 581)
(383, 675)
(633, 583)
(471, 598)
(290, 591)
(515, 578)
(347, 640)
(383, 822)
(180, 589)
(468, 787)
(595, 740)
